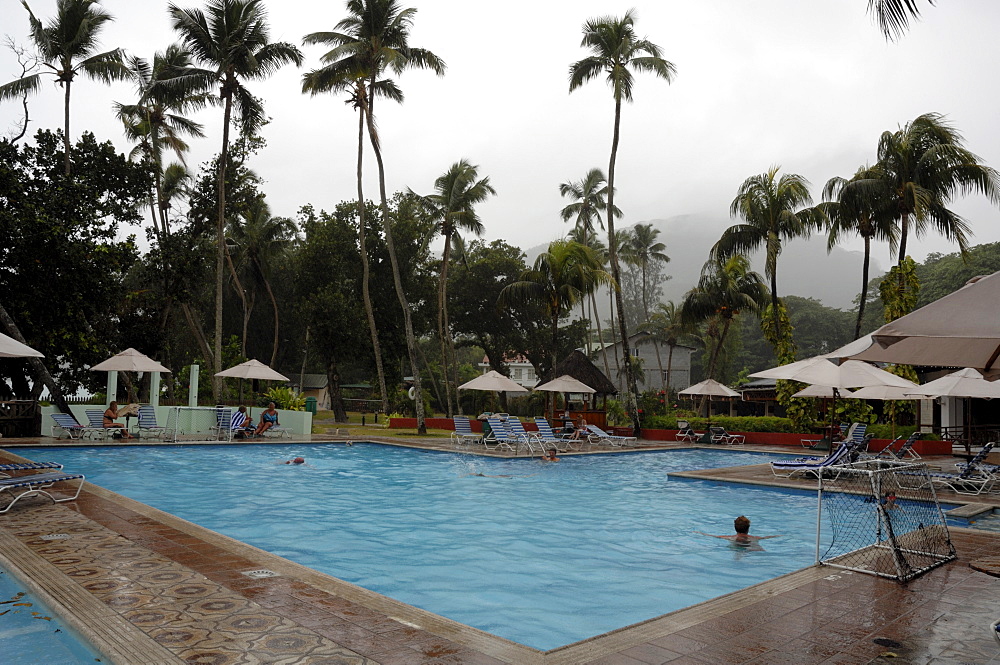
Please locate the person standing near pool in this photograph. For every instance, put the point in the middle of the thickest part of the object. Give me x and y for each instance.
(742, 537)
(268, 419)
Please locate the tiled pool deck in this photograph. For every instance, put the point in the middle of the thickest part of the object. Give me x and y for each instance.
(147, 587)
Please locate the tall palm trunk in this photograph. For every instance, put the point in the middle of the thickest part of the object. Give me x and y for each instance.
(864, 286)
(600, 333)
(411, 342)
(220, 254)
(633, 403)
(670, 366)
(443, 319)
(614, 333)
(365, 268)
(69, 82)
(243, 299)
(274, 308)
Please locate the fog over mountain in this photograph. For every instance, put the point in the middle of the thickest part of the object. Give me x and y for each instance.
(804, 268)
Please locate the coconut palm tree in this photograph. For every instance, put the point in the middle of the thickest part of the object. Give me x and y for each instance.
(642, 249)
(893, 16)
(67, 46)
(559, 278)
(375, 35)
(452, 208)
(231, 40)
(772, 213)
(924, 164)
(725, 289)
(344, 71)
(157, 118)
(616, 52)
(858, 207)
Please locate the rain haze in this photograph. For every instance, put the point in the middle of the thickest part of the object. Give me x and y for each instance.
(808, 86)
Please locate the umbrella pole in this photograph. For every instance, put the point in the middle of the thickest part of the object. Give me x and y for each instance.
(833, 418)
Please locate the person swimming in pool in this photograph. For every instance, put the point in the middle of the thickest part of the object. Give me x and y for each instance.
(550, 456)
(296, 460)
(742, 537)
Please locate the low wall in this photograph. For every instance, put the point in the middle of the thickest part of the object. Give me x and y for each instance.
(298, 422)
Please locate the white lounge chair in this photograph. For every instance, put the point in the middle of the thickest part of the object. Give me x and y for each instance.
(611, 439)
(148, 426)
(463, 434)
(36, 484)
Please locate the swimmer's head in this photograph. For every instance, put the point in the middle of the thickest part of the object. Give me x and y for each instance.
(297, 460)
(741, 524)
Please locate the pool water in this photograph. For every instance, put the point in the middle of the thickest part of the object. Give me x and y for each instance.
(30, 633)
(543, 554)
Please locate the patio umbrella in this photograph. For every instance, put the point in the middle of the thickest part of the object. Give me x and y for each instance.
(566, 384)
(967, 383)
(129, 360)
(823, 392)
(962, 329)
(493, 381)
(708, 389)
(888, 394)
(11, 348)
(252, 369)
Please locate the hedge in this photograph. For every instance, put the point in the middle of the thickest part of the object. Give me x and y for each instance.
(731, 423)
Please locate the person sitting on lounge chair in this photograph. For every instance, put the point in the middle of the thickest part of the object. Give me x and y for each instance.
(580, 431)
(268, 419)
(110, 415)
(241, 424)
(742, 538)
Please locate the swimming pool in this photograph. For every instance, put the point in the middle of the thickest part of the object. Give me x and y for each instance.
(542, 554)
(31, 633)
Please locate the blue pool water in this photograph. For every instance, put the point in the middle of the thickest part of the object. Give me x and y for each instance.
(30, 633)
(542, 554)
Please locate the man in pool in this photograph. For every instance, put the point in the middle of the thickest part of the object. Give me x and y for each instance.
(550, 456)
(742, 538)
(296, 460)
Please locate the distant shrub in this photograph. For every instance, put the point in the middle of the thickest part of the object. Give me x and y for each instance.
(731, 423)
(885, 432)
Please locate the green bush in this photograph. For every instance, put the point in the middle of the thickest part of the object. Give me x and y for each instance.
(885, 432)
(286, 398)
(731, 423)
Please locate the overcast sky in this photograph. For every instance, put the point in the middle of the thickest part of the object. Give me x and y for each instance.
(808, 86)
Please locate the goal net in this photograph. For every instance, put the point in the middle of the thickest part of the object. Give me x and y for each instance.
(885, 520)
(197, 423)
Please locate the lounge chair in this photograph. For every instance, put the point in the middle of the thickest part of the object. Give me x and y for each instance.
(27, 466)
(905, 451)
(813, 465)
(685, 433)
(35, 484)
(527, 440)
(148, 425)
(463, 433)
(223, 424)
(824, 443)
(500, 437)
(547, 437)
(604, 437)
(720, 435)
(995, 629)
(74, 430)
(974, 479)
(96, 418)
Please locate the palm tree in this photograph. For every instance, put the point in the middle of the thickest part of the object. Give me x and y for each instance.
(67, 45)
(452, 207)
(666, 326)
(726, 289)
(893, 16)
(642, 249)
(924, 164)
(559, 278)
(857, 206)
(344, 71)
(771, 209)
(616, 51)
(232, 43)
(374, 38)
(156, 120)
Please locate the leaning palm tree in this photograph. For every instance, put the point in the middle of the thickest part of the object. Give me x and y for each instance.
(232, 42)
(772, 213)
(616, 52)
(924, 164)
(666, 326)
(375, 36)
(726, 289)
(157, 121)
(858, 207)
(67, 46)
(452, 208)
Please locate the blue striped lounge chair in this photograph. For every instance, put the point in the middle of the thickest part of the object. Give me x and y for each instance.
(975, 479)
(524, 438)
(223, 424)
(66, 423)
(905, 451)
(96, 419)
(995, 629)
(500, 437)
(611, 439)
(7, 469)
(463, 433)
(37, 484)
(148, 425)
(816, 465)
(685, 432)
(547, 437)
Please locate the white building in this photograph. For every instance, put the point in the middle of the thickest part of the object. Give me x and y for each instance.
(521, 371)
(680, 363)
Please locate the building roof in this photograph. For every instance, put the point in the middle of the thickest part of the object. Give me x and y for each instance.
(580, 368)
(309, 381)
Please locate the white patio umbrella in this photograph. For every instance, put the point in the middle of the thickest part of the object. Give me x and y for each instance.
(129, 360)
(493, 381)
(709, 388)
(11, 348)
(888, 394)
(566, 384)
(967, 383)
(252, 369)
(823, 392)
